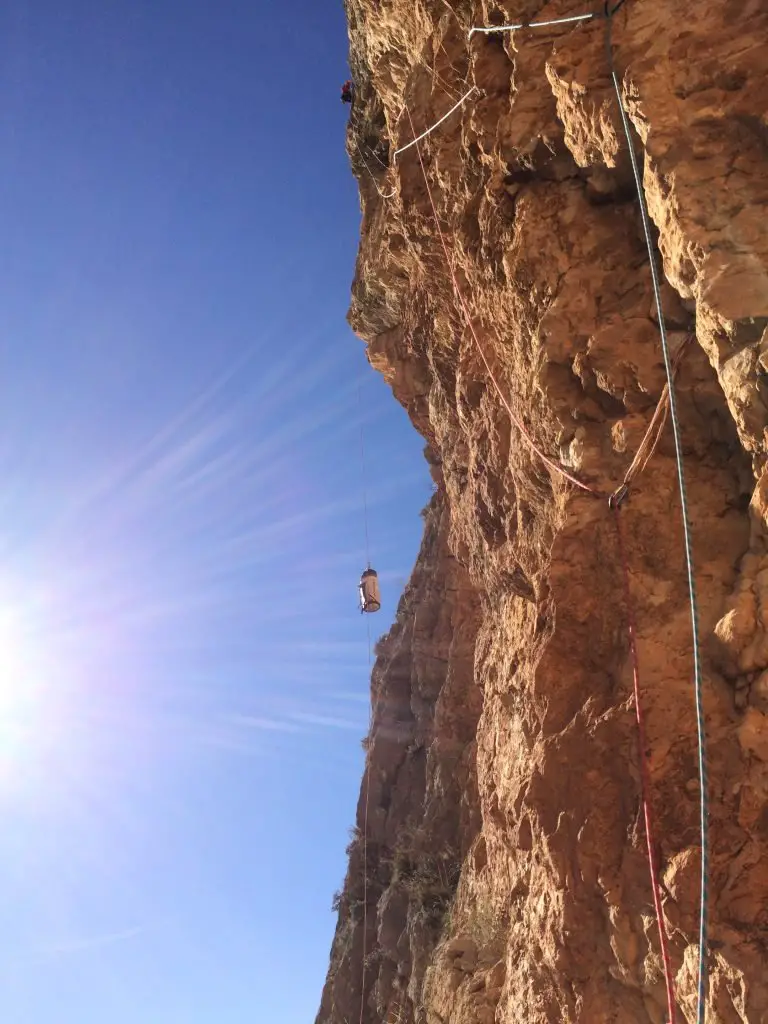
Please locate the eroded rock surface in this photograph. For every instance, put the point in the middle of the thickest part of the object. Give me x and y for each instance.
(508, 879)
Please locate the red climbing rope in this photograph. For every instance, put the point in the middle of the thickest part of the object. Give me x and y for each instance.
(467, 316)
(645, 782)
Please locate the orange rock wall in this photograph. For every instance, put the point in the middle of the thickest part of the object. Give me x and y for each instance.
(508, 877)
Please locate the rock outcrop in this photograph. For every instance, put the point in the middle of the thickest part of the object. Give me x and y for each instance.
(500, 815)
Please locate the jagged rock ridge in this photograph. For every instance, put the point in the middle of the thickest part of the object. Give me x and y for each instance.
(508, 879)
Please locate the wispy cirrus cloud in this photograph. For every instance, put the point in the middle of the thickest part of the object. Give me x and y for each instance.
(260, 723)
(326, 721)
(61, 949)
(85, 944)
(293, 722)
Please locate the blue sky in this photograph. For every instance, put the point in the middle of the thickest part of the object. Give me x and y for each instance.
(183, 672)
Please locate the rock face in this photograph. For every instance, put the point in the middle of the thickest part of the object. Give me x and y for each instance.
(507, 874)
(419, 812)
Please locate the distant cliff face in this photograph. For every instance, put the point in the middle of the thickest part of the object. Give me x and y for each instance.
(507, 870)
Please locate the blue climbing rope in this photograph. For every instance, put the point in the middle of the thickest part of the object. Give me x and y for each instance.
(700, 723)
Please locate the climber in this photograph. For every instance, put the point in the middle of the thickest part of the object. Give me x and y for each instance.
(370, 598)
(347, 92)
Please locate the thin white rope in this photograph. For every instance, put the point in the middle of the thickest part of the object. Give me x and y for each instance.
(384, 195)
(364, 477)
(365, 822)
(437, 77)
(531, 24)
(437, 124)
(377, 158)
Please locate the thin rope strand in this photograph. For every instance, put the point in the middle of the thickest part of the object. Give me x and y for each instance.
(645, 781)
(438, 80)
(375, 156)
(489, 30)
(452, 66)
(365, 825)
(698, 683)
(437, 124)
(364, 476)
(468, 318)
(384, 195)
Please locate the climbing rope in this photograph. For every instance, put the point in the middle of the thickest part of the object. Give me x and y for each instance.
(384, 195)
(376, 157)
(437, 78)
(490, 29)
(437, 124)
(355, 122)
(452, 66)
(607, 12)
(365, 825)
(364, 476)
(370, 713)
(449, 91)
(688, 543)
(645, 781)
(468, 319)
(644, 454)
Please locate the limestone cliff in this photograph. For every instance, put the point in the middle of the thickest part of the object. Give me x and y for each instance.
(500, 813)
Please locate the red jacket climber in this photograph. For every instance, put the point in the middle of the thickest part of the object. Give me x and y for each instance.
(346, 92)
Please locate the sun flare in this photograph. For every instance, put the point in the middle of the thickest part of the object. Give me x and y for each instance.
(15, 661)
